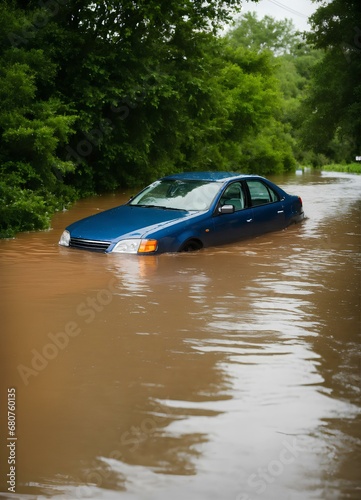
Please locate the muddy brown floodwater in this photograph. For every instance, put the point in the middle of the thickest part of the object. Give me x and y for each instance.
(232, 373)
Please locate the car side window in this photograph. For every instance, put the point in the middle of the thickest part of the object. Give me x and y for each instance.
(261, 194)
(233, 195)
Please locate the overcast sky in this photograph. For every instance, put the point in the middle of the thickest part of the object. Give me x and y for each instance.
(297, 10)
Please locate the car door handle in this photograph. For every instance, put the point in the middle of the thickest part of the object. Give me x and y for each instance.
(280, 211)
(249, 220)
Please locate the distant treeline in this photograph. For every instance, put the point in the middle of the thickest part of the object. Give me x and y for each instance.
(98, 95)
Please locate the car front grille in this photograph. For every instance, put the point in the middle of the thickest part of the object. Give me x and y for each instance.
(93, 245)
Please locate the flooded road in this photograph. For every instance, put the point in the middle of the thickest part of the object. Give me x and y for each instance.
(232, 373)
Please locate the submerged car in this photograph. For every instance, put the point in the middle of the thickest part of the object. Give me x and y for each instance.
(185, 212)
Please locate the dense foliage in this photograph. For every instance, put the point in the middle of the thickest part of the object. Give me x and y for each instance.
(292, 60)
(94, 96)
(332, 111)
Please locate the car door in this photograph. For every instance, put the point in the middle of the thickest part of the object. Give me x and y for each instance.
(268, 208)
(232, 226)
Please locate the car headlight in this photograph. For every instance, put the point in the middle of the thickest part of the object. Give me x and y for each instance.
(136, 245)
(65, 239)
(147, 246)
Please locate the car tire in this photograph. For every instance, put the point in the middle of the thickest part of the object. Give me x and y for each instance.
(191, 246)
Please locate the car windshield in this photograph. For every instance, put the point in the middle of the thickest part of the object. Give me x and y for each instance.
(177, 195)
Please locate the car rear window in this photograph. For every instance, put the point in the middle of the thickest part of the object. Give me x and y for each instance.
(261, 193)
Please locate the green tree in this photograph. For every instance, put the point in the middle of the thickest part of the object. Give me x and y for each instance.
(120, 92)
(332, 109)
(290, 58)
(33, 125)
(77, 81)
(279, 37)
(123, 66)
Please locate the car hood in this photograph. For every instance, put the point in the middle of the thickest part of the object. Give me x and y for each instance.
(125, 220)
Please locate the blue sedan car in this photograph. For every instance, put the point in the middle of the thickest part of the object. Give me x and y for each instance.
(185, 212)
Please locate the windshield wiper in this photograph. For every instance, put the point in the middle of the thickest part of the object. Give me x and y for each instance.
(172, 208)
(143, 206)
(158, 206)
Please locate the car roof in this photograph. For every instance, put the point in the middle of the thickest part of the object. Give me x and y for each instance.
(208, 176)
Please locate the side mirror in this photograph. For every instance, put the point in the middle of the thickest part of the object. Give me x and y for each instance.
(226, 209)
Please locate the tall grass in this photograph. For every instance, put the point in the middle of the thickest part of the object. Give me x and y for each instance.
(351, 168)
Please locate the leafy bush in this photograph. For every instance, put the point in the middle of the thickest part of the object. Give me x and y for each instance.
(26, 209)
(21, 210)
